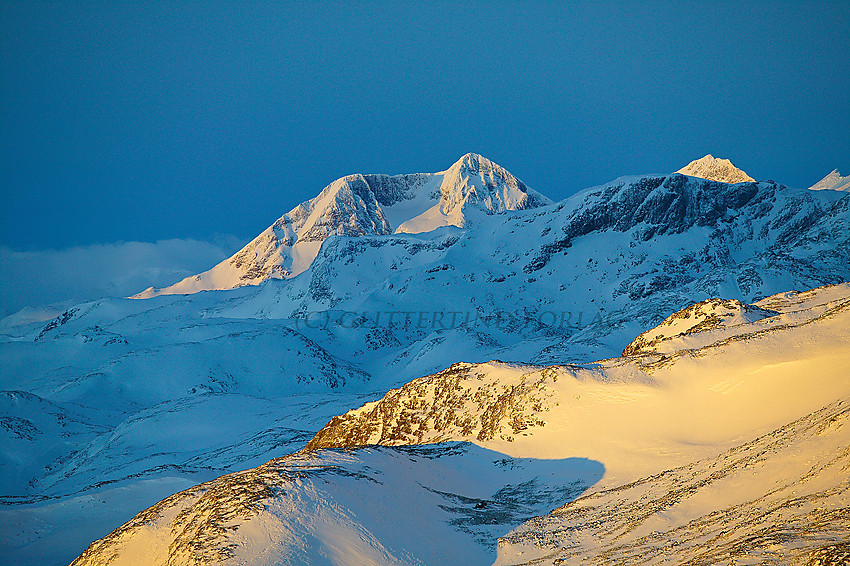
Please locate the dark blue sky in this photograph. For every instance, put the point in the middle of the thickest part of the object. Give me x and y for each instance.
(145, 121)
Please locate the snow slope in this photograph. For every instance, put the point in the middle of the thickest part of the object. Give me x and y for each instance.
(418, 505)
(779, 499)
(538, 434)
(636, 414)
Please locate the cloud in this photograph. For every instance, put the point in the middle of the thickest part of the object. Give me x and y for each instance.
(46, 277)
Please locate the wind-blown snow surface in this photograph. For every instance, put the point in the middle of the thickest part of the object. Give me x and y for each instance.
(780, 499)
(147, 397)
(544, 433)
(426, 504)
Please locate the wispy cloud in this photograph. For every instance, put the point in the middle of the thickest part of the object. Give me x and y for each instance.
(37, 278)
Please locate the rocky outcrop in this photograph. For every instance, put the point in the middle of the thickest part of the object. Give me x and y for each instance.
(706, 315)
(463, 401)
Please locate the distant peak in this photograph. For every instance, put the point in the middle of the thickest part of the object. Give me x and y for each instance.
(715, 169)
(834, 181)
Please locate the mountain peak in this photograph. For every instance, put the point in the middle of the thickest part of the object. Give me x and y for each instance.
(473, 164)
(833, 181)
(361, 205)
(474, 178)
(468, 159)
(715, 169)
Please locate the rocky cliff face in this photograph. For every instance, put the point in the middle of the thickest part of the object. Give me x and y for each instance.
(658, 206)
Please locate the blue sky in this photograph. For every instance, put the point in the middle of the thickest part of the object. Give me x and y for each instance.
(159, 120)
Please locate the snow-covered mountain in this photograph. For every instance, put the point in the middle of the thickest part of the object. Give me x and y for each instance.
(716, 418)
(569, 277)
(116, 404)
(715, 169)
(359, 205)
(834, 181)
